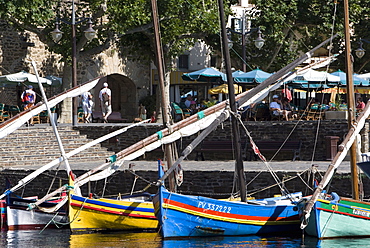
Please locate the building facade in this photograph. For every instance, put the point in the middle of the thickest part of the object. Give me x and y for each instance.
(129, 79)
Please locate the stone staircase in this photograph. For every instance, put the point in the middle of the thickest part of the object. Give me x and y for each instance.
(37, 146)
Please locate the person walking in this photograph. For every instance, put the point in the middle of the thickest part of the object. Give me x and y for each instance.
(105, 96)
(28, 98)
(87, 104)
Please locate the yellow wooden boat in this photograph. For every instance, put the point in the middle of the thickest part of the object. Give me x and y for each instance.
(135, 212)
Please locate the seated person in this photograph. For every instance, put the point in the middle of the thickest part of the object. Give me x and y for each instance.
(213, 101)
(285, 105)
(360, 105)
(276, 108)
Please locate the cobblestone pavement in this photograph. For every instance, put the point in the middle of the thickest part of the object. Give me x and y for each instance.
(288, 166)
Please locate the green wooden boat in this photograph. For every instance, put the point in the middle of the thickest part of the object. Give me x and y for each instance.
(334, 216)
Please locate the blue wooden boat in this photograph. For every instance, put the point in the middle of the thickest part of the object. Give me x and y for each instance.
(186, 215)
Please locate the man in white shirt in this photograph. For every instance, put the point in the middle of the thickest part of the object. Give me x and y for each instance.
(276, 107)
(87, 104)
(105, 101)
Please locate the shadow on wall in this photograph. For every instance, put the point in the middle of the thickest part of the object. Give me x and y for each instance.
(124, 95)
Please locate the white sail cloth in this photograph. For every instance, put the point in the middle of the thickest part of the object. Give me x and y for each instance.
(17, 121)
(183, 132)
(37, 172)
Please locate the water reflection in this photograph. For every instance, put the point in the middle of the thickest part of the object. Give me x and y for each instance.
(339, 242)
(63, 238)
(116, 239)
(33, 238)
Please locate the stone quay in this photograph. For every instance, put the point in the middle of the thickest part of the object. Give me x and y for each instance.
(212, 177)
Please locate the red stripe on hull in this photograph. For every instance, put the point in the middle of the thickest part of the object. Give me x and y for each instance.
(113, 212)
(348, 214)
(228, 215)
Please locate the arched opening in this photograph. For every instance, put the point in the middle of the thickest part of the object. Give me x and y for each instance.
(124, 95)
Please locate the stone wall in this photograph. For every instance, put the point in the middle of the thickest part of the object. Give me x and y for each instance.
(18, 48)
(304, 131)
(217, 184)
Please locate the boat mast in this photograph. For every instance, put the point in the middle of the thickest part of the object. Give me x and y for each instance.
(235, 127)
(165, 104)
(350, 99)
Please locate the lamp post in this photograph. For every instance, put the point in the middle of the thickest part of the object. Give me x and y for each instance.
(57, 35)
(259, 42)
(360, 52)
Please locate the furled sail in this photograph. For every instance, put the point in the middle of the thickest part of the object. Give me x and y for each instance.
(37, 172)
(17, 121)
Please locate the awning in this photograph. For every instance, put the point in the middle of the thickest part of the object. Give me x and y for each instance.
(224, 89)
(21, 77)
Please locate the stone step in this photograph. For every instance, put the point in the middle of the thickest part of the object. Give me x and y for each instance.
(41, 162)
(45, 146)
(55, 152)
(29, 138)
(37, 145)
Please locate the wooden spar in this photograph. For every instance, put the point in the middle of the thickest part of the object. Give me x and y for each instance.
(234, 122)
(343, 149)
(169, 148)
(56, 133)
(350, 99)
(189, 148)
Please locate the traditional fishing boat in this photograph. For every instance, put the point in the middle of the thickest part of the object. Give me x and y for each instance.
(134, 212)
(192, 215)
(323, 214)
(187, 215)
(328, 215)
(19, 217)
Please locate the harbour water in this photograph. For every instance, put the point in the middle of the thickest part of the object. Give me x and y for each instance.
(63, 238)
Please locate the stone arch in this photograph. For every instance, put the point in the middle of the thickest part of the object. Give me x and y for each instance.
(124, 95)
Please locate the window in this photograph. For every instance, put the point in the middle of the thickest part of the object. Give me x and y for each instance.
(183, 61)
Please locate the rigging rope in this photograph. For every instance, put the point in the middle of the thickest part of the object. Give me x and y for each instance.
(258, 153)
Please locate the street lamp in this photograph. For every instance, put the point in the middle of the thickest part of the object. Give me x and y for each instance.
(259, 42)
(89, 34)
(360, 52)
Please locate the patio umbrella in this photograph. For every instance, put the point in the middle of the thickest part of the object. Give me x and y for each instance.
(317, 76)
(364, 76)
(55, 81)
(205, 75)
(255, 76)
(356, 80)
(237, 73)
(311, 79)
(20, 77)
(223, 88)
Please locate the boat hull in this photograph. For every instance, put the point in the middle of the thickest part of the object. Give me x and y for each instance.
(111, 214)
(344, 218)
(19, 218)
(3, 224)
(184, 215)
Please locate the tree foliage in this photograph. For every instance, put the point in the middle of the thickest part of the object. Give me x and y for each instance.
(289, 27)
(295, 26)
